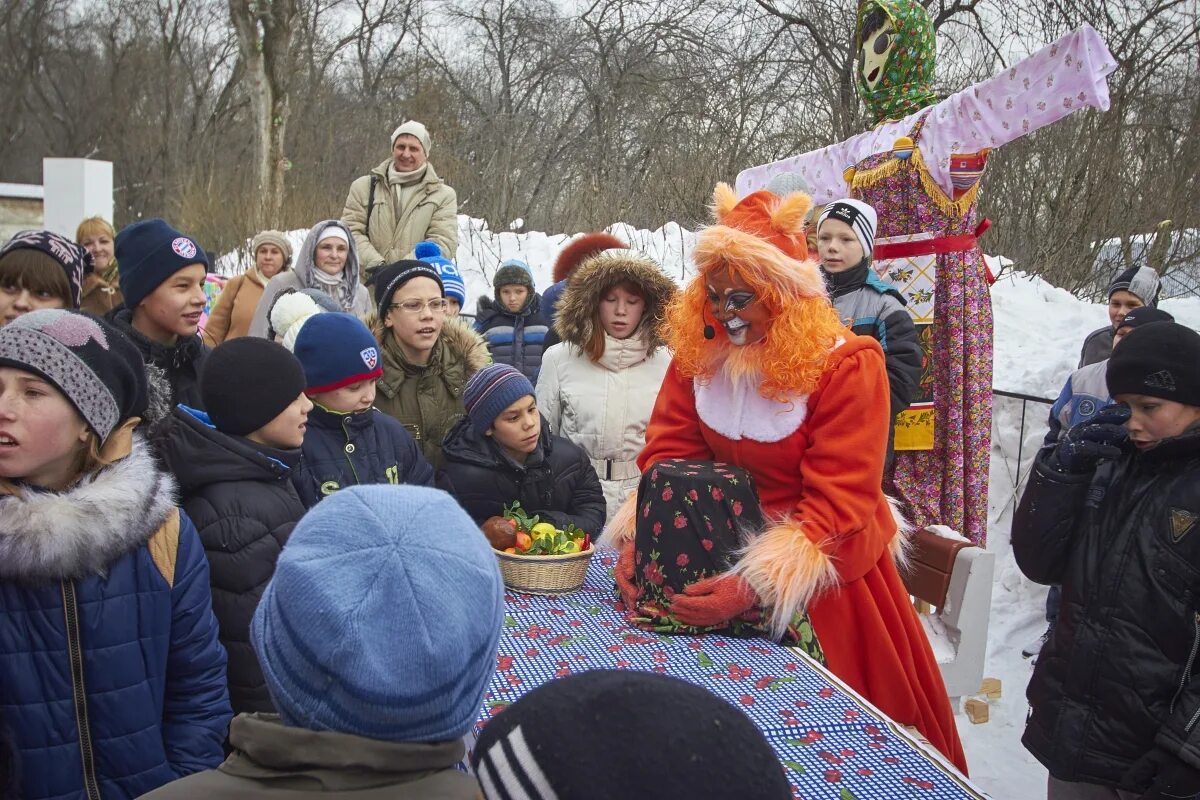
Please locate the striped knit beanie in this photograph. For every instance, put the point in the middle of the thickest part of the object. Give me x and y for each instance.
(452, 282)
(701, 745)
(373, 627)
(490, 391)
(858, 215)
(1142, 282)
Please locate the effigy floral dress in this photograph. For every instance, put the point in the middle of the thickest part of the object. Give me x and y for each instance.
(922, 175)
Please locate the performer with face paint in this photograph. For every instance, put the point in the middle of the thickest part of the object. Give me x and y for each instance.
(920, 167)
(766, 378)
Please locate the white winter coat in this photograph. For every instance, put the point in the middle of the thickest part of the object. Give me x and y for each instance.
(604, 407)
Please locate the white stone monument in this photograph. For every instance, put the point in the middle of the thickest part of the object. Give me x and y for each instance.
(76, 188)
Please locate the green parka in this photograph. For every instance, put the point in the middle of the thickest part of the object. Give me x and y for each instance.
(428, 400)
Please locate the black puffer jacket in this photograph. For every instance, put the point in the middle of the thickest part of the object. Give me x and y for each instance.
(181, 363)
(515, 339)
(239, 495)
(1116, 679)
(557, 481)
(343, 450)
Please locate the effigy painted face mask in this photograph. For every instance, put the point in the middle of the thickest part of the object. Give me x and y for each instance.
(897, 50)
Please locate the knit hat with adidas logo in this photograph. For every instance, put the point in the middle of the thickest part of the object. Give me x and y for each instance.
(1161, 359)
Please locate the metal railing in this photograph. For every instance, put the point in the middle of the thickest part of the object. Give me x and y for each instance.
(1018, 479)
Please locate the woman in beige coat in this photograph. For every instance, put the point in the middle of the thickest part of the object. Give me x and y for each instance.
(235, 306)
(598, 386)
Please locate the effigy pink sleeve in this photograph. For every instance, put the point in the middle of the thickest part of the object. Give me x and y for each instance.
(1061, 78)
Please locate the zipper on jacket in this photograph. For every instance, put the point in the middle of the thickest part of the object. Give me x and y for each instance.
(1187, 670)
(75, 653)
(349, 448)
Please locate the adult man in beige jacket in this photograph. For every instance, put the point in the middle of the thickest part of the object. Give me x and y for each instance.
(401, 202)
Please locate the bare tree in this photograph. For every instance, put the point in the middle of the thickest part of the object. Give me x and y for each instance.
(264, 31)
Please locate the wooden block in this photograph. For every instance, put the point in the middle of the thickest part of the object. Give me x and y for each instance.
(977, 711)
(990, 688)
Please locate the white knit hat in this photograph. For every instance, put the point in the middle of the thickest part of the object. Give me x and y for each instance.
(858, 215)
(413, 128)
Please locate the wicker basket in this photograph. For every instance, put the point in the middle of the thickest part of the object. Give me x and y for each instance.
(547, 575)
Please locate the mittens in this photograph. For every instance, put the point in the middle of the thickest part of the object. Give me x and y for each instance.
(713, 601)
(1088, 443)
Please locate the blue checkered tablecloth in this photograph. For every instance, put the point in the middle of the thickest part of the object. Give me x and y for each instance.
(831, 742)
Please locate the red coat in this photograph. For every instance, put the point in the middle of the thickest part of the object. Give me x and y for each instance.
(817, 464)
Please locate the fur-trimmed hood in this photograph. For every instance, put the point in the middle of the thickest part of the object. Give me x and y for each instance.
(457, 337)
(48, 536)
(575, 319)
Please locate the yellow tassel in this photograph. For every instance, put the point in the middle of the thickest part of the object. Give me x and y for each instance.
(869, 177)
(891, 167)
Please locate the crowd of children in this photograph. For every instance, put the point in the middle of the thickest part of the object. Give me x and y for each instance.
(189, 518)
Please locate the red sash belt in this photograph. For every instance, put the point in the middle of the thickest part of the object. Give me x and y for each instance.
(929, 247)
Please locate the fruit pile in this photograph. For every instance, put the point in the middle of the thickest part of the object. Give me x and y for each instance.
(516, 532)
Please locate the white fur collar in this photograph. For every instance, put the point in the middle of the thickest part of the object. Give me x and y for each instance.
(48, 536)
(737, 411)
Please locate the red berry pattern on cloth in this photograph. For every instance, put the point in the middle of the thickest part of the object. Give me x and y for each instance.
(830, 744)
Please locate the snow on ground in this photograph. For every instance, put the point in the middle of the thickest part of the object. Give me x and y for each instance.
(1038, 332)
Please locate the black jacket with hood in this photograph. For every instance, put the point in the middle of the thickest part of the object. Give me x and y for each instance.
(1118, 678)
(181, 363)
(557, 481)
(240, 496)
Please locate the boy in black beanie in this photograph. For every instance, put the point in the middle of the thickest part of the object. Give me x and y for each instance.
(1111, 513)
(234, 466)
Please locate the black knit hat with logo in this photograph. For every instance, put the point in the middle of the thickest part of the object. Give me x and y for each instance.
(1161, 359)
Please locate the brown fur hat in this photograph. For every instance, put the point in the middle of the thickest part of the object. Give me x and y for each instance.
(575, 321)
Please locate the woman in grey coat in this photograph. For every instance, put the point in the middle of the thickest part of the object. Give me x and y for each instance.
(328, 261)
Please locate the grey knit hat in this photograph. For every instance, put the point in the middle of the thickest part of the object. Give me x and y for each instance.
(277, 238)
(1140, 281)
(513, 272)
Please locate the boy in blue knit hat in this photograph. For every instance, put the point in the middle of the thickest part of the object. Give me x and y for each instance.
(512, 321)
(162, 279)
(503, 451)
(348, 440)
(452, 282)
(377, 641)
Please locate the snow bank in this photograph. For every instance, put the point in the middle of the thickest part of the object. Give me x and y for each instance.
(1038, 333)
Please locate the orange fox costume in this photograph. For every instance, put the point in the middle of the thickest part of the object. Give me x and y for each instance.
(805, 411)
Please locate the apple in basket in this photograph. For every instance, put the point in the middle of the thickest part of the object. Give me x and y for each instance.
(517, 532)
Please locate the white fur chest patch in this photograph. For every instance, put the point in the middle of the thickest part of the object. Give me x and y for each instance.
(737, 411)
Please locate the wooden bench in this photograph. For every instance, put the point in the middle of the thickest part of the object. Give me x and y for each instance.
(950, 580)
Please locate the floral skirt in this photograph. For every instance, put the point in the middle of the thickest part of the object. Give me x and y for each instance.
(693, 520)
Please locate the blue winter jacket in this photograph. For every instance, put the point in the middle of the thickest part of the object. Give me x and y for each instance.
(343, 450)
(515, 339)
(112, 681)
(1082, 396)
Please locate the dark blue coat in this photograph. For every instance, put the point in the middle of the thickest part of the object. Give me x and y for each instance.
(350, 449)
(515, 339)
(152, 702)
